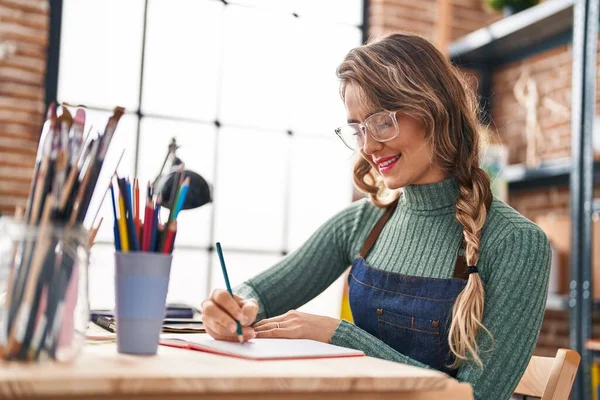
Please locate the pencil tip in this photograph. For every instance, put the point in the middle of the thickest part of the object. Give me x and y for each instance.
(241, 339)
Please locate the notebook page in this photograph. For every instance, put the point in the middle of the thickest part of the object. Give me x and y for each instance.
(265, 349)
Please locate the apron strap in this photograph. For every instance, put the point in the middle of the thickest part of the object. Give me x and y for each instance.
(460, 267)
(374, 234)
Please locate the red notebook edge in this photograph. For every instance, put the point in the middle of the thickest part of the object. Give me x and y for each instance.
(182, 344)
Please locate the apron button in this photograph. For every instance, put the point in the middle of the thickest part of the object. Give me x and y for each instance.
(435, 324)
(379, 311)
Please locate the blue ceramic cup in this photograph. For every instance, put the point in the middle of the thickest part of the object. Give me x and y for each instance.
(141, 285)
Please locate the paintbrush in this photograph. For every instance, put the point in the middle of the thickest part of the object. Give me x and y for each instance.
(18, 218)
(23, 315)
(41, 191)
(77, 137)
(108, 188)
(44, 147)
(98, 161)
(67, 199)
(62, 160)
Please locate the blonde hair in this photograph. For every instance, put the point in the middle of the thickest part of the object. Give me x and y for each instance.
(406, 72)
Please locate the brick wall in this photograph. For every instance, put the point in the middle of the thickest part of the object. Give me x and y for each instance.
(420, 16)
(551, 72)
(24, 29)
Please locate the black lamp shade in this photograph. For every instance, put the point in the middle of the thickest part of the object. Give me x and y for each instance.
(199, 192)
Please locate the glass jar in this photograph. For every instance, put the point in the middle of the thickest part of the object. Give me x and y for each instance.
(44, 306)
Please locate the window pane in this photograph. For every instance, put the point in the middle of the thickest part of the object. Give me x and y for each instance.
(318, 107)
(102, 277)
(188, 277)
(328, 303)
(100, 52)
(321, 184)
(197, 145)
(187, 282)
(182, 58)
(240, 267)
(256, 73)
(279, 5)
(250, 188)
(345, 11)
(123, 140)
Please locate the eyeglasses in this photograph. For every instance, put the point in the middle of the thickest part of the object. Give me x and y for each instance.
(382, 127)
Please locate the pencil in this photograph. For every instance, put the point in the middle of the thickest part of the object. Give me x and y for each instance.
(136, 209)
(177, 180)
(148, 222)
(154, 236)
(182, 196)
(226, 277)
(124, 238)
(116, 219)
(116, 234)
(134, 243)
(171, 229)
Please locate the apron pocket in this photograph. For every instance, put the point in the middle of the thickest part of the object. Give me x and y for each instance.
(412, 336)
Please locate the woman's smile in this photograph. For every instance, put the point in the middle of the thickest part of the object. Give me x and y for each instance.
(385, 164)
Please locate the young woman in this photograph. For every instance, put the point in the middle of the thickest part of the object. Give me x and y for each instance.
(443, 275)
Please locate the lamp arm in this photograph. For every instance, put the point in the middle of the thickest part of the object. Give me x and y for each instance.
(162, 168)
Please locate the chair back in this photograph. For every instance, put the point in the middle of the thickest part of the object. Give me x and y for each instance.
(550, 378)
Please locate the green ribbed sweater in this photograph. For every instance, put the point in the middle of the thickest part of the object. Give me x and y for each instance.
(421, 238)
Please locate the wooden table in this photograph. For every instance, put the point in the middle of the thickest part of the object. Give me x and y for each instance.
(101, 373)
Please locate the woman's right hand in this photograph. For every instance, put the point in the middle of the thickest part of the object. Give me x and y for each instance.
(220, 312)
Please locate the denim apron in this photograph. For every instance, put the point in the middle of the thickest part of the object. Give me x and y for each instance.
(409, 313)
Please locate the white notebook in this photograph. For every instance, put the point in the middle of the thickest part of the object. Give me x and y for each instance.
(259, 349)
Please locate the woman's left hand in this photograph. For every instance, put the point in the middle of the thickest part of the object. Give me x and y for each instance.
(297, 325)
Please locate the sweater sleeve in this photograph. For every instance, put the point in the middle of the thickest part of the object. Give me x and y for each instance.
(309, 270)
(520, 268)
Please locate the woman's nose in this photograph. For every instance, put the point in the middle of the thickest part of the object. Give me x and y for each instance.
(371, 145)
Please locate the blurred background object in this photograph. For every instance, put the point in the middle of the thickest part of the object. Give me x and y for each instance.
(510, 7)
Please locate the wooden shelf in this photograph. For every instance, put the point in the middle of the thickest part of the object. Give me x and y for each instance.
(593, 344)
(518, 33)
(556, 172)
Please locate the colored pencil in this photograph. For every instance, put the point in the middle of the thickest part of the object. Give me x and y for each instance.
(148, 220)
(134, 244)
(182, 196)
(124, 235)
(155, 222)
(170, 237)
(136, 208)
(228, 285)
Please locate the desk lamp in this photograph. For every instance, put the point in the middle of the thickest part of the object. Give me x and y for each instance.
(199, 192)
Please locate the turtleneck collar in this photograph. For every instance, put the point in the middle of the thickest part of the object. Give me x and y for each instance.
(431, 196)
